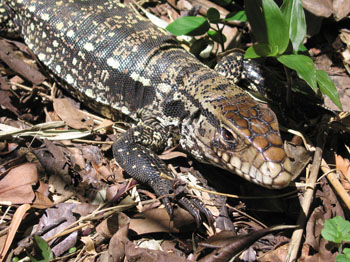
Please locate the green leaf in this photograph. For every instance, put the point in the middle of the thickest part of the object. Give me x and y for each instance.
(217, 36)
(256, 20)
(213, 15)
(302, 48)
(277, 28)
(336, 230)
(43, 251)
(343, 257)
(268, 25)
(72, 250)
(239, 16)
(328, 88)
(303, 65)
(258, 50)
(294, 14)
(188, 25)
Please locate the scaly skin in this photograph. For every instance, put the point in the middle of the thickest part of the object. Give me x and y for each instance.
(120, 64)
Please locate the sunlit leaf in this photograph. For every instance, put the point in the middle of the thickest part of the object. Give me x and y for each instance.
(295, 17)
(188, 25)
(258, 50)
(268, 25)
(336, 230)
(239, 16)
(303, 65)
(217, 36)
(328, 88)
(256, 20)
(43, 251)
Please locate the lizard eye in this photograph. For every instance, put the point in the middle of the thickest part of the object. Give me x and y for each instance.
(227, 135)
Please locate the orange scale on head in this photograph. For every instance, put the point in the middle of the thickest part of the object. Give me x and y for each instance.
(253, 112)
(260, 142)
(246, 132)
(274, 126)
(230, 108)
(275, 154)
(259, 127)
(242, 123)
(244, 113)
(275, 139)
(268, 116)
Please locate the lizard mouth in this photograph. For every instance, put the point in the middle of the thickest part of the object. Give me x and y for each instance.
(253, 167)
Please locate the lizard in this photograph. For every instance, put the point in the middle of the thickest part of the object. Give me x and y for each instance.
(119, 64)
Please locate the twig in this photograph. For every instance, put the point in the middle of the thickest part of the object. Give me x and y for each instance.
(308, 196)
(332, 178)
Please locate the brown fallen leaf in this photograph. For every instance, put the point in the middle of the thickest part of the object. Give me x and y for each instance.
(7, 97)
(343, 165)
(15, 222)
(157, 220)
(7, 148)
(29, 72)
(89, 245)
(227, 247)
(71, 115)
(116, 248)
(16, 185)
(325, 8)
(137, 254)
(54, 221)
(108, 226)
(41, 201)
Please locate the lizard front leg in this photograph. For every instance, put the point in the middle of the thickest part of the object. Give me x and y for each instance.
(135, 153)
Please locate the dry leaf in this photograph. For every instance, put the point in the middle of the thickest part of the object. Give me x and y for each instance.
(15, 222)
(116, 248)
(343, 165)
(158, 220)
(108, 227)
(16, 186)
(72, 116)
(135, 253)
(89, 245)
(18, 65)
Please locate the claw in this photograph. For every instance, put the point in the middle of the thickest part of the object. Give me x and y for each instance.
(167, 203)
(188, 205)
(203, 210)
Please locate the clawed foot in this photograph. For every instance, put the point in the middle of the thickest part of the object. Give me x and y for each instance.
(193, 205)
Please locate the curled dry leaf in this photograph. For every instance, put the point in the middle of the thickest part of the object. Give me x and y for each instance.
(29, 72)
(343, 165)
(108, 226)
(135, 253)
(325, 8)
(157, 220)
(72, 116)
(116, 248)
(89, 245)
(16, 185)
(15, 222)
(61, 216)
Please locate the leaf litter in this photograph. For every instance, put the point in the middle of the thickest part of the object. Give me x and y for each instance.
(59, 181)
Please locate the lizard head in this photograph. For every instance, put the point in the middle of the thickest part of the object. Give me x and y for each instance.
(240, 135)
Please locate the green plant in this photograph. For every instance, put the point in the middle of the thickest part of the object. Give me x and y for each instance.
(275, 29)
(279, 33)
(198, 25)
(337, 230)
(43, 252)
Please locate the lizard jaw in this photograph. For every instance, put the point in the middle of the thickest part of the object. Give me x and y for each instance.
(252, 166)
